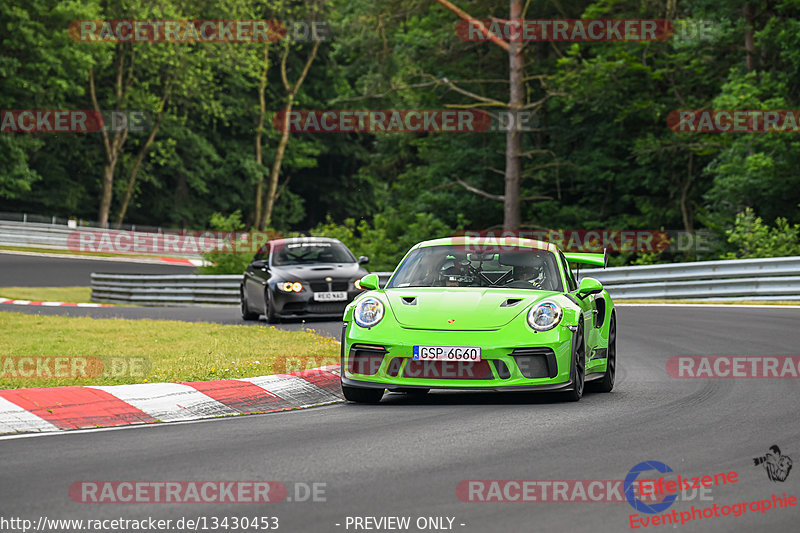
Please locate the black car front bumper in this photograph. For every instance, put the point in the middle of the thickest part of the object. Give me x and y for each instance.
(302, 304)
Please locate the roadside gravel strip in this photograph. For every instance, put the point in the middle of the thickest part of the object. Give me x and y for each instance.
(151, 260)
(51, 304)
(65, 408)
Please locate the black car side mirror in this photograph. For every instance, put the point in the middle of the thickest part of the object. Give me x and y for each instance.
(363, 260)
(259, 263)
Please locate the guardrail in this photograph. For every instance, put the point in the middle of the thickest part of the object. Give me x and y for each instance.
(745, 279)
(55, 237)
(165, 290)
(172, 290)
(775, 278)
(52, 220)
(32, 234)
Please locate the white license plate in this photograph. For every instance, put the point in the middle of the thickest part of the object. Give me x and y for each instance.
(447, 353)
(336, 296)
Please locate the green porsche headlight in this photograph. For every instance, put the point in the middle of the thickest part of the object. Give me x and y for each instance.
(544, 316)
(368, 312)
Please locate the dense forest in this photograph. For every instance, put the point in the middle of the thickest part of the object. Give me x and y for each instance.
(596, 150)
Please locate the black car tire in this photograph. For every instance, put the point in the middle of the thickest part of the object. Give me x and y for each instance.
(579, 367)
(269, 310)
(246, 313)
(607, 383)
(362, 395)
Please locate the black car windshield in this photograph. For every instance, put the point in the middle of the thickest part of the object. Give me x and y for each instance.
(301, 253)
(504, 266)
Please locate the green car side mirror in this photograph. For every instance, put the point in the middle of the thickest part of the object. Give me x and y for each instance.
(589, 286)
(369, 282)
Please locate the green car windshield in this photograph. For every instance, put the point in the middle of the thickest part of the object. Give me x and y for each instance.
(452, 266)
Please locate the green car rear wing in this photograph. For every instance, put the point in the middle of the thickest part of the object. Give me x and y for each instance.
(588, 258)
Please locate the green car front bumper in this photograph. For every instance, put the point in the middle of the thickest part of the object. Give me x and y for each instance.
(513, 358)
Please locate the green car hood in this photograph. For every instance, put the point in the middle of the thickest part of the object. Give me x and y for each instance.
(443, 308)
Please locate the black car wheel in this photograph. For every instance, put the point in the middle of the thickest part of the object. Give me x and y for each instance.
(362, 395)
(246, 313)
(607, 383)
(269, 309)
(579, 366)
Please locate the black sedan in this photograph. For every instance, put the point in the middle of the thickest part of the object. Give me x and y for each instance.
(300, 277)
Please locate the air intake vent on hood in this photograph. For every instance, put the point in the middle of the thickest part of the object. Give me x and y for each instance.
(511, 302)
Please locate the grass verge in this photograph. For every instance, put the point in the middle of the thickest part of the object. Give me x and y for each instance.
(115, 351)
(48, 294)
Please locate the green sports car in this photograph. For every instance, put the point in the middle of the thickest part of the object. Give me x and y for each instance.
(466, 313)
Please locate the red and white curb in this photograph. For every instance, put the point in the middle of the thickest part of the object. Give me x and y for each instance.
(182, 261)
(64, 408)
(51, 304)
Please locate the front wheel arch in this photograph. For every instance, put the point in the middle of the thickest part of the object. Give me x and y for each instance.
(247, 314)
(269, 310)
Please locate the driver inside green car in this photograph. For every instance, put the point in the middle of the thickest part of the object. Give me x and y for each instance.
(502, 270)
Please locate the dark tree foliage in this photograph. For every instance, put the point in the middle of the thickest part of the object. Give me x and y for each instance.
(598, 152)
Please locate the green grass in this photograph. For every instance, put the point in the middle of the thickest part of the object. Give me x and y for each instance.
(150, 350)
(48, 294)
(712, 302)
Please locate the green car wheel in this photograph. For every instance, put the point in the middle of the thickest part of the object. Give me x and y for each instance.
(579, 367)
(607, 383)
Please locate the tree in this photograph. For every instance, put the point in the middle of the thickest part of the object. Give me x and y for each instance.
(40, 68)
(291, 93)
(514, 48)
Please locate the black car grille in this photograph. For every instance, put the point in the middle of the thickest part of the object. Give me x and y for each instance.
(323, 286)
(447, 369)
(365, 360)
(536, 362)
(502, 369)
(302, 308)
(326, 307)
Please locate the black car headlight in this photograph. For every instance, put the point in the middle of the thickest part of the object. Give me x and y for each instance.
(368, 312)
(544, 316)
(290, 286)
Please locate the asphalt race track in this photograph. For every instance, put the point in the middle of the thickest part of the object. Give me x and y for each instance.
(405, 458)
(35, 271)
(18, 270)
